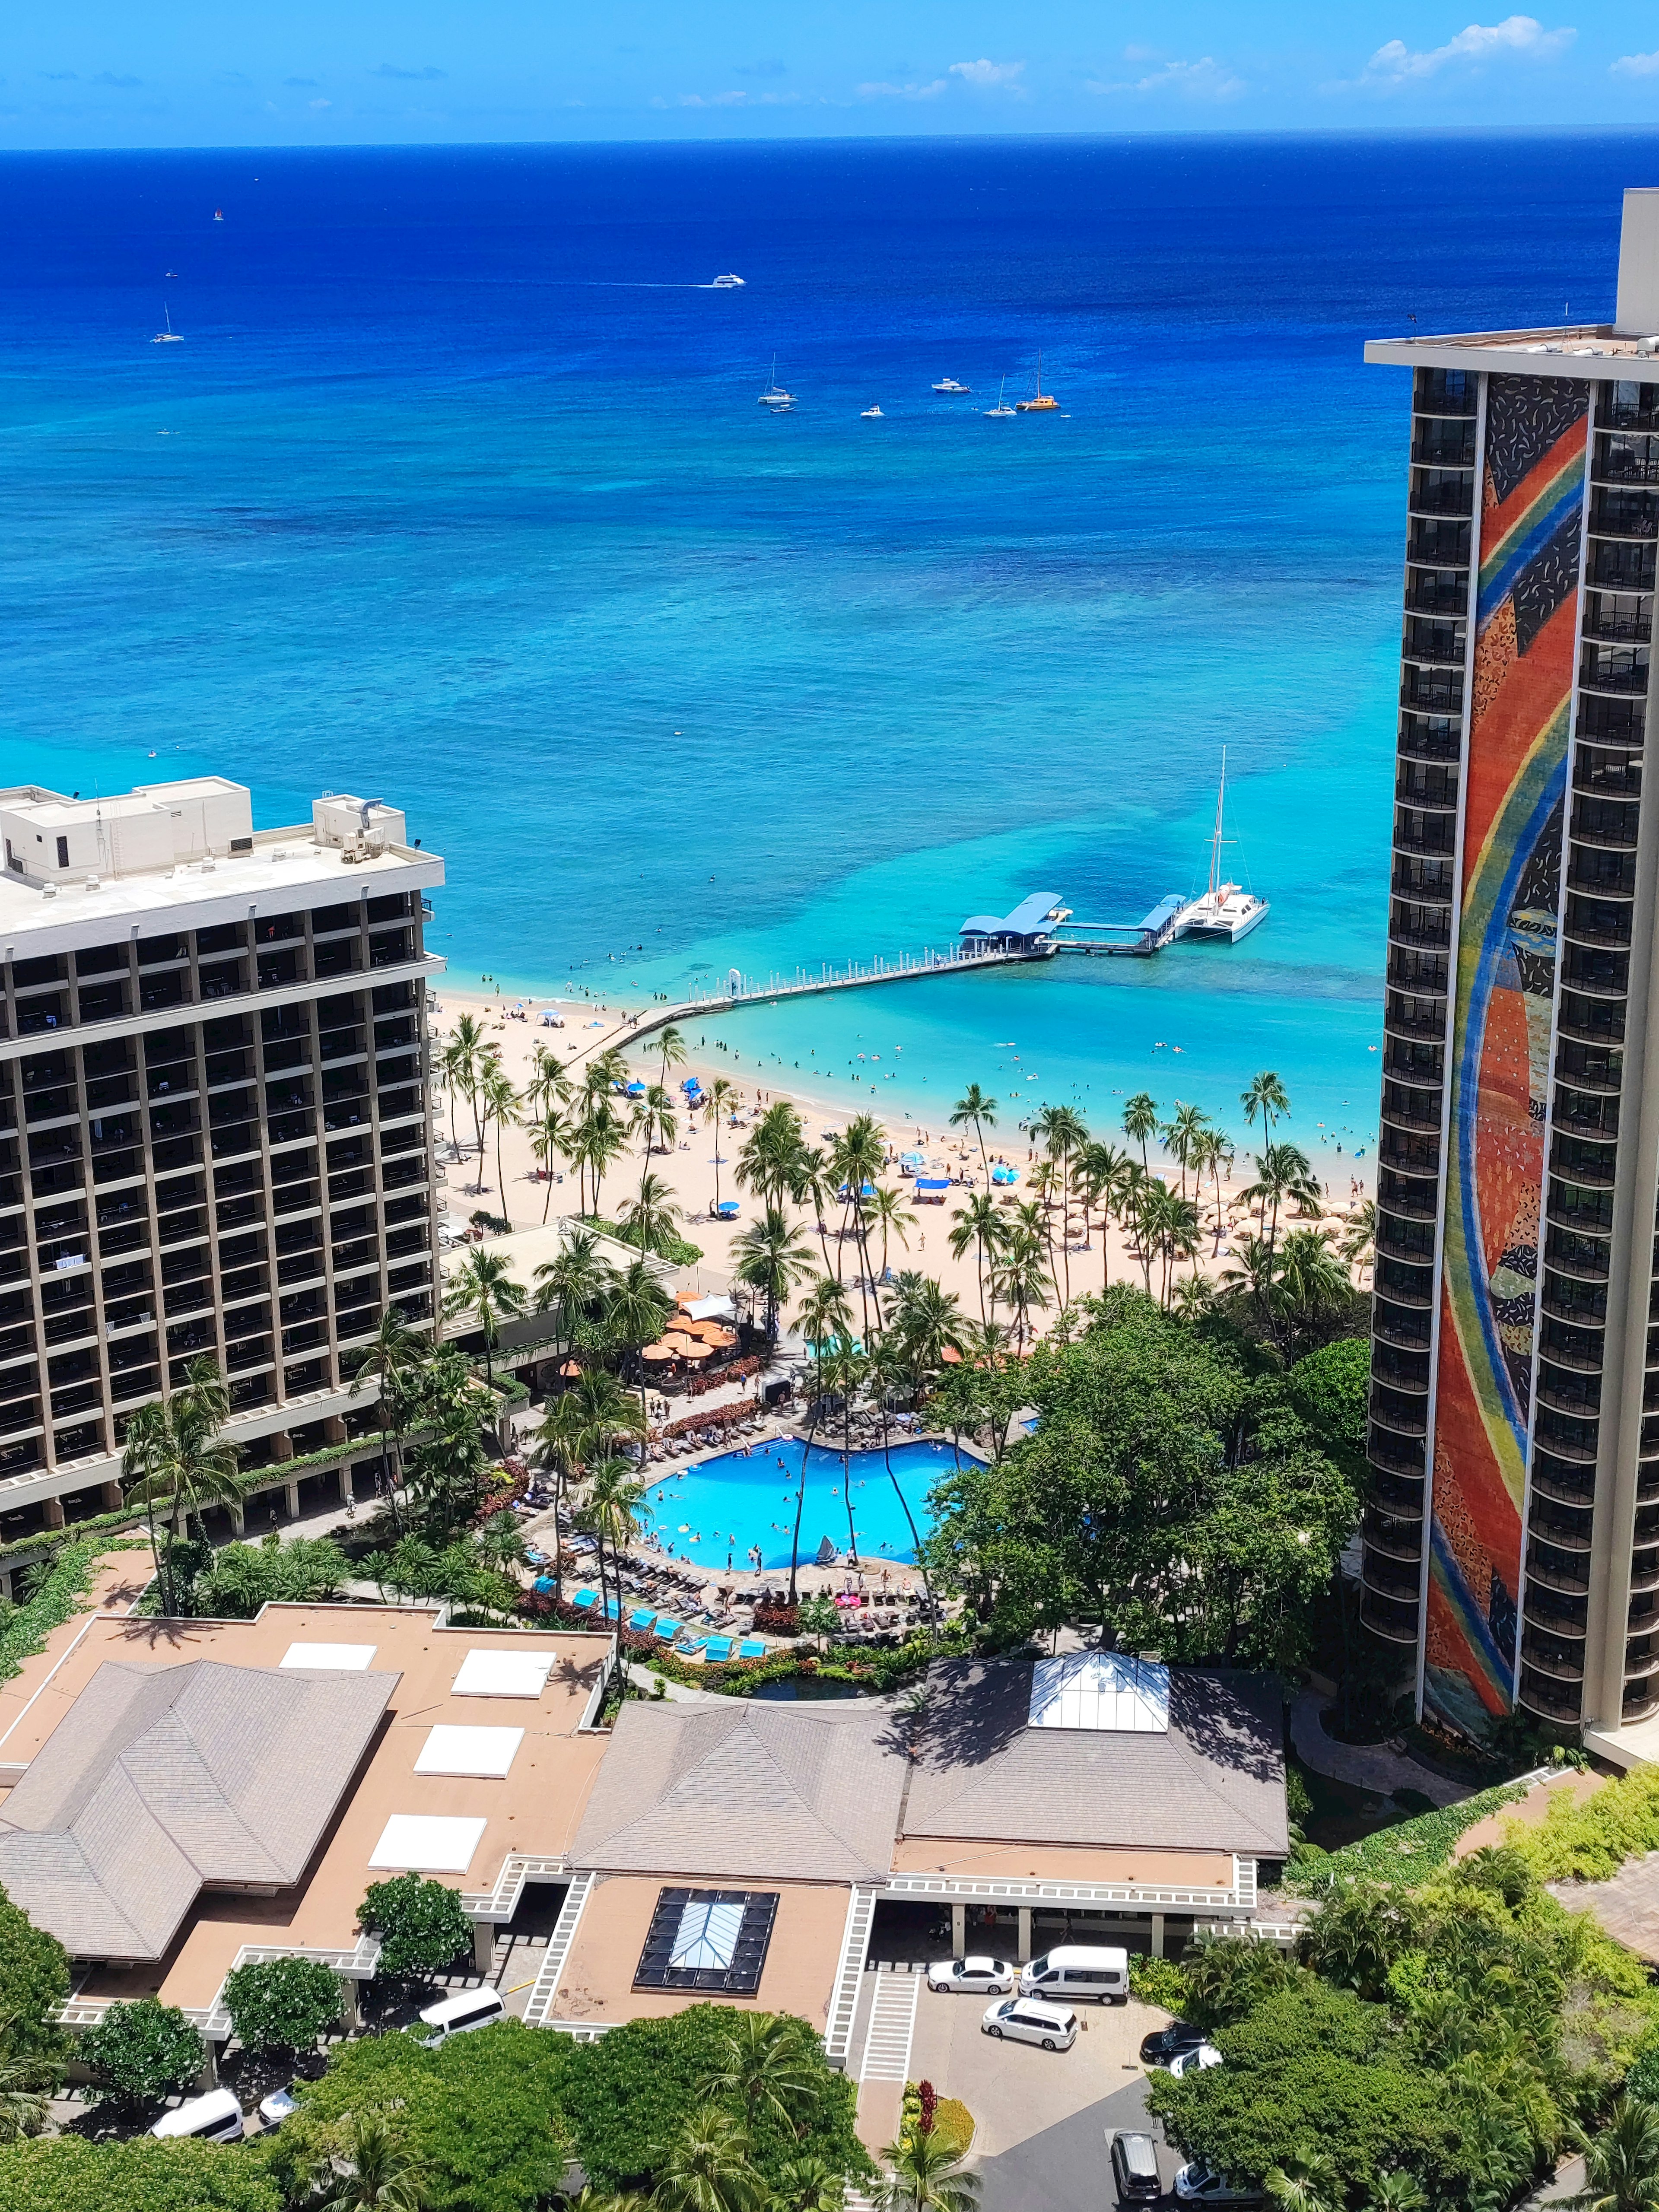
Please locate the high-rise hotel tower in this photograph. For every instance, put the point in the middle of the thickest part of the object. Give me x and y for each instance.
(1513, 1535)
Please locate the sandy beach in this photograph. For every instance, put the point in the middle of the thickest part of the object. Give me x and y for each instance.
(520, 1195)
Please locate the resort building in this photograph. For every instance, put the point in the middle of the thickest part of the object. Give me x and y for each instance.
(214, 1128)
(179, 1797)
(1512, 1541)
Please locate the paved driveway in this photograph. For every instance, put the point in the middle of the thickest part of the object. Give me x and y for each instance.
(1042, 2114)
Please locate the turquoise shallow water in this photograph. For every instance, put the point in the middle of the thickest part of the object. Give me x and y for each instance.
(720, 1507)
(457, 490)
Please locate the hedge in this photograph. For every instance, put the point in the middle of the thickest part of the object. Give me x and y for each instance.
(50, 1604)
(1410, 1849)
(1589, 1839)
(1158, 1982)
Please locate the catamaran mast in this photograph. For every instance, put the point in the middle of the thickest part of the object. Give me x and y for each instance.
(1215, 841)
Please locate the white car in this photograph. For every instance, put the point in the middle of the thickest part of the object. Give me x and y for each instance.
(1198, 2184)
(1028, 2020)
(275, 2108)
(1195, 2062)
(979, 1972)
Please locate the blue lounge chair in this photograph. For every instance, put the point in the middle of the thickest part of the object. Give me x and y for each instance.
(612, 1610)
(584, 1600)
(717, 1648)
(641, 1617)
(542, 1584)
(691, 1646)
(752, 1647)
(667, 1630)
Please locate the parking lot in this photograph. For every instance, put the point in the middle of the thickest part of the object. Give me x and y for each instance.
(1043, 2116)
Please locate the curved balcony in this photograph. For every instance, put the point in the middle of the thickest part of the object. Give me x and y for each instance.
(1427, 691)
(1555, 1614)
(1411, 1241)
(1595, 975)
(1414, 1199)
(1597, 921)
(1428, 1029)
(1606, 835)
(1423, 930)
(1437, 591)
(1595, 873)
(1390, 1578)
(1404, 1283)
(1408, 1327)
(1421, 1065)
(1433, 449)
(1592, 1114)
(1559, 1532)
(1596, 1023)
(1626, 515)
(1569, 1576)
(1399, 1371)
(1644, 1575)
(1418, 741)
(1445, 392)
(1618, 463)
(1550, 1700)
(1401, 1454)
(1390, 1618)
(1582, 1163)
(1641, 1663)
(1423, 882)
(1456, 497)
(1613, 678)
(1556, 1481)
(1616, 627)
(1582, 1351)
(1418, 1111)
(1641, 1698)
(1590, 1068)
(1397, 1497)
(1391, 1537)
(1411, 1155)
(1402, 1416)
(1580, 1211)
(1563, 1662)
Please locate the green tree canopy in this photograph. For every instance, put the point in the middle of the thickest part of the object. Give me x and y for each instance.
(61, 2173)
(633, 2093)
(139, 2053)
(34, 1978)
(1168, 1489)
(1328, 1391)
(283, 2004)
(420, 1924)
(477, 2117)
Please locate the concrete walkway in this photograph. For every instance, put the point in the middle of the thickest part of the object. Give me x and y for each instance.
(1373, 1766)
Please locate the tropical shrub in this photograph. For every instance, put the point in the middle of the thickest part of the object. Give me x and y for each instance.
(1158, 1982)
(242, 1578)
(477, 2117)
(1589, 1839)
(139, 2053)
(283, 2004)
(55, 1594)
(421, 1924)
(34, 1978)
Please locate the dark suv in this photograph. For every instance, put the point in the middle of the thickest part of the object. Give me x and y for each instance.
(1167, 2043)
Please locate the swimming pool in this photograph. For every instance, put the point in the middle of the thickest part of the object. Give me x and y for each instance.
(713, 1511)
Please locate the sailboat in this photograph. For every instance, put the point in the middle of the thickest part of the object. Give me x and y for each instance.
(1044, 401)
(774, 396)
(1222, 910)
(1002, 410)
(168, 336)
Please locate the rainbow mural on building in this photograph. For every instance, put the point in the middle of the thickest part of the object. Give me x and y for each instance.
(1528, 530)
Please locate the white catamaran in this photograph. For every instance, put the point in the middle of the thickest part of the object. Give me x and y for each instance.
(1222, 909)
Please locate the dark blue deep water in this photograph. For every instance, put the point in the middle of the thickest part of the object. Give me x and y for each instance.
(456, 491)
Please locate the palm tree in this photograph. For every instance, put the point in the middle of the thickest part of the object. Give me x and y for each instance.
(981, 1223)
(599, 1141)
(392, 1360)
(1063, 1132)
(176, 1462)
(670, 1052)
(1213, 1151)
(707, 2168)
(579, 1279)
(461, 1065)
(889, 1213)
(1140, 1122)
(825, 1319)
(1252, 1277)
(500, 1541)
(28, 2084)
(1169, 1224)
(926, 2175)
(1312, 1283)
(381, 2175)
(1282, 1171)
(501, 1103)
(1106, 1175)
(650, 1221)
(551, 1135)
(766, 2062)
(637, 1310)
(978, 1107)
(604, 1073)
(845, 1372)
(1019, 1278)
(654, 1119)
(767, 1162)
(1182, 1135)
(610, 1513)
(1268, 1097)
(858, 1156)
(719, 1091)
(484, 1284)
(771, 1256)
(1307, 2183)
(813, 1182)
(1359, 1245)
(808, 2184)
(549, 1083)
(1396, 2191)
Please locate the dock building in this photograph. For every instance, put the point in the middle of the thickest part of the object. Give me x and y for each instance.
(1512, 1538)
(214, 1125)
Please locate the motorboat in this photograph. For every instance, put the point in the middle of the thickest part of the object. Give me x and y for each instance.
(948, 384)
(1043, 401)
(872, 415)
(1002, 411)
(727, 283)
(169, 335)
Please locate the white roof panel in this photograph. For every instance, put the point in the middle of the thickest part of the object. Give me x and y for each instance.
(426, 1844)
(503, 1674)
(483, 1751)
(1100, 1690)
(707, 1934)
(331, 1658)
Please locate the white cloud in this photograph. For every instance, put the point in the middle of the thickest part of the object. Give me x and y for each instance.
(320, 103)
(1517, 35)
(1635, 65)
(905, 91)
(992, 77)
(712, 98)
(1205, 79)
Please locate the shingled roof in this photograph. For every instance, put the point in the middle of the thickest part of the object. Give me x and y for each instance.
(1214, 1780)
(746, 1792)
(161, 1781)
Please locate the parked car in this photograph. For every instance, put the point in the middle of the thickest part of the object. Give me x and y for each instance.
(1198, 2184)
(1195, 2060)
(275, 2108)
(1073, 1972)
(459, 2016)
(1028, 2019)
(1134, 2168)
(216, 2117)
(978, 1972)
(1164, 2043)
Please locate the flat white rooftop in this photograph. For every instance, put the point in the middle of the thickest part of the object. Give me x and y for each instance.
(1587, 352)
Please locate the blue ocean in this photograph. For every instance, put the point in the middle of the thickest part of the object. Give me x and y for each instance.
(456, 491)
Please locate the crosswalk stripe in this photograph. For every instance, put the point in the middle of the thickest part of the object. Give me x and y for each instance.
(892, 2026)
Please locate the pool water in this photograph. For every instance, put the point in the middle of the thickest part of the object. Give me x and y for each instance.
(713, 1511)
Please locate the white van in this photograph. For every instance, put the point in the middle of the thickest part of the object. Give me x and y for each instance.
(460, 2015)
(1073, 1972)
(216, 2117)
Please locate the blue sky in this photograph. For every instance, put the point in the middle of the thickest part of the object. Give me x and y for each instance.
(91, 73)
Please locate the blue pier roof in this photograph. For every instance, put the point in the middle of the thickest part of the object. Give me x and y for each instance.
(1165, 911)
(1028, 919)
